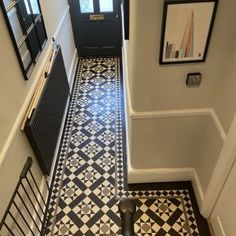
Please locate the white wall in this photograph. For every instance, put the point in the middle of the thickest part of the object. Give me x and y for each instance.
(178, 141)
(167, 142)
(209, 151)
(58, 24)
(15, 93)
(225, 93)
(155, 87)
(130, 47)
(187, 141)
(223, 216)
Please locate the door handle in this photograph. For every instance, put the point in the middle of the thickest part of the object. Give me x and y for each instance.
(97, 17)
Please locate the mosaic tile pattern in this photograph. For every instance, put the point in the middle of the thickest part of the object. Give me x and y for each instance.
(90, 176)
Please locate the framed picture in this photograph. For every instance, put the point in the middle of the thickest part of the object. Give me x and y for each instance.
(186, 30)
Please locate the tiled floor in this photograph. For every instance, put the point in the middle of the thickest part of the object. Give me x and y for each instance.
(90, 179)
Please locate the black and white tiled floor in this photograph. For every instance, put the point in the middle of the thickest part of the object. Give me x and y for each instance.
(90, 180)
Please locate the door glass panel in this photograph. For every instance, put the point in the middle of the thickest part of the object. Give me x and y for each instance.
(86, 6)
(106, 5)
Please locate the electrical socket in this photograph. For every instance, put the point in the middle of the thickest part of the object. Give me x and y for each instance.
(194, 79)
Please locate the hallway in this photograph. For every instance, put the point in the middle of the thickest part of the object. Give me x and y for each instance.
(122, 125)
(90, 177)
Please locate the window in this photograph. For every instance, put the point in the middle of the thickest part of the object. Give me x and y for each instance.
(91, 6)
(106, 5)
(27, 30)
(86, 6)
(34, 6)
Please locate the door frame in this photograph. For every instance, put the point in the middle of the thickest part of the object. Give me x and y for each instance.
(75, 7)
(126, 12)
(221, 171)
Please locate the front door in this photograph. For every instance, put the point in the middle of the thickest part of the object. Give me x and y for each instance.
(96, 26)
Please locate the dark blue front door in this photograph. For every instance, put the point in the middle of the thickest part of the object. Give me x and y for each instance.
(96, 26)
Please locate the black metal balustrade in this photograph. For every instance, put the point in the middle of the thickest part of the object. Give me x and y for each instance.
(27, 207)
(27, 211)
(127, 210)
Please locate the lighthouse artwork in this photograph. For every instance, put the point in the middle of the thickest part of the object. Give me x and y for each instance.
(187, 26)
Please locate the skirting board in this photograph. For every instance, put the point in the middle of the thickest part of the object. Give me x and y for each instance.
(126, 101)
(217, 226)
(167, 175)
(73, 68)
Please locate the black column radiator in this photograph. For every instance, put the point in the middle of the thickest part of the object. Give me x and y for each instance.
(43, 128)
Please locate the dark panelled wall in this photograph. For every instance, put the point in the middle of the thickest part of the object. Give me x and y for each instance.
(44, 126)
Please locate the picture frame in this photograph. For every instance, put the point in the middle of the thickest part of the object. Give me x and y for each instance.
(186, 30)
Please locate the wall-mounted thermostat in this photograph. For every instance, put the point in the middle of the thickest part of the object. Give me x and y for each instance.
(194, 79)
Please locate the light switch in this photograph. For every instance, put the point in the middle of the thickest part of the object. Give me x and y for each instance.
(194, 79)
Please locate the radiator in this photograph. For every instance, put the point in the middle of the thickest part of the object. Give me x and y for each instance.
(42, 129)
